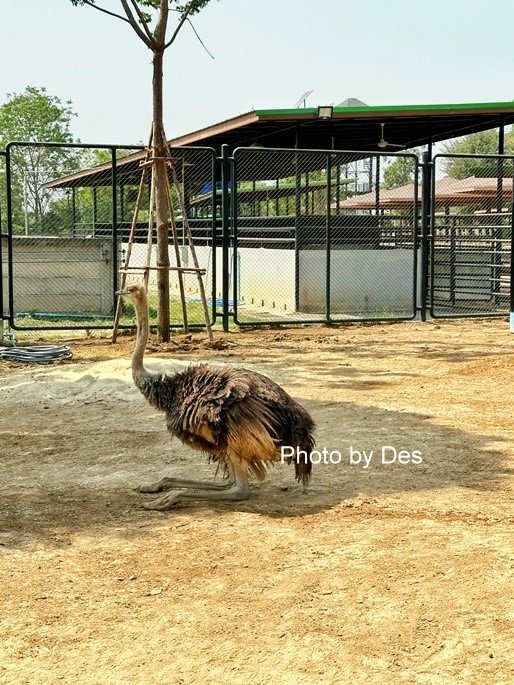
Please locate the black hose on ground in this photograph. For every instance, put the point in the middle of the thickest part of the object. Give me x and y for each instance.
(36, 354)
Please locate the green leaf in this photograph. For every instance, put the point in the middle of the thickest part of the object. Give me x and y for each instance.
(483, 143)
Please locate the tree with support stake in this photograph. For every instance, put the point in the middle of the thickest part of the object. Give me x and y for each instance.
(127, 268)
(150, 21)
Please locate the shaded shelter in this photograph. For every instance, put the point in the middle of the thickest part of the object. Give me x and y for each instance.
(349, 128)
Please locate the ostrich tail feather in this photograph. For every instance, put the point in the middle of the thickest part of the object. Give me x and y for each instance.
(303, 461)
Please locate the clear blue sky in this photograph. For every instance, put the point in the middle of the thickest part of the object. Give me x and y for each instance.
(267, 54)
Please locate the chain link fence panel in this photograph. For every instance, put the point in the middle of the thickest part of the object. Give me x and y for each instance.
(315, 239)
(63, 273)
(73, 228)
(374, 248)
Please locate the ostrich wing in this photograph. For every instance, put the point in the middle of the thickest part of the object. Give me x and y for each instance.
(220, 410)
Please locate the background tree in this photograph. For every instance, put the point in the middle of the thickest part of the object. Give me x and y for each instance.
(400, 171)
(483, 143)
(150, 19)
(36, 116)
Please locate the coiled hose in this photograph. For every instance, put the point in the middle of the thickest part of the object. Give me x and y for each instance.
(35, 354)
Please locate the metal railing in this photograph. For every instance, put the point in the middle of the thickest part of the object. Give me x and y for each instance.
(471, 230)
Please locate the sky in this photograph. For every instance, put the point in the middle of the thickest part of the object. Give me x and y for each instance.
(267, 53)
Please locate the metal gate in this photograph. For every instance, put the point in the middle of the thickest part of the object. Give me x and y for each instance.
(471, 229)
(317, 239)
(69, 215)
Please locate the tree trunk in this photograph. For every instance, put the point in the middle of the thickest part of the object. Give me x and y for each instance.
(160, 171)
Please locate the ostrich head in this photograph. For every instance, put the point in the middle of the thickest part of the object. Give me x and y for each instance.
(135, 294)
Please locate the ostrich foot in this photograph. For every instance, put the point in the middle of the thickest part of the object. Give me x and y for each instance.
(170, 483)
(239, 490)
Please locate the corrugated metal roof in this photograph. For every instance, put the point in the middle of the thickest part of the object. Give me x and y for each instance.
(352, 128)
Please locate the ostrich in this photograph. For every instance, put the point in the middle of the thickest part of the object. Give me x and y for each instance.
(240, 418)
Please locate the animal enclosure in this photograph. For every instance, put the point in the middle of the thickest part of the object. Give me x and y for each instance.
(282, 236)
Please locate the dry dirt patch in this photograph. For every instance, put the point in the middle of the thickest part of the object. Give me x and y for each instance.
(391, 574)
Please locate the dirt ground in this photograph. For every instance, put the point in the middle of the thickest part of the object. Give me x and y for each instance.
(395, 573)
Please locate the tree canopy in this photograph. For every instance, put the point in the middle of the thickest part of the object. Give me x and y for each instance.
(400, 171)
(483, 143)
(149, 18)
(36, 116)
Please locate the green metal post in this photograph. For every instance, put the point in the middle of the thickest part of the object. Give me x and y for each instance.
(3, 156)
(297, 231)
(73, 212)
(426, 197)
(95, 209)
(497, 245)
(328, 238)
(114, 222)
(8, 181)
(225, 237)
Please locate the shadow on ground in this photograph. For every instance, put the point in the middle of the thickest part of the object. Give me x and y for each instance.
(71, 462)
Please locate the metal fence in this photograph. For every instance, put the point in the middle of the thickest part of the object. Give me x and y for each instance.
(472, 218)
(4, 311)
(284, 235)
(69, 217)
(309, 248)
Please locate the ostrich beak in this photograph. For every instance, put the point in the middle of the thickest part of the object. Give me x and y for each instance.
(121, 292)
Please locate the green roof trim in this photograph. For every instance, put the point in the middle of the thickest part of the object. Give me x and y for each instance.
(384, 109)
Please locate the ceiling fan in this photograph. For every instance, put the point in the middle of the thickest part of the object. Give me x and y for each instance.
(383, 143)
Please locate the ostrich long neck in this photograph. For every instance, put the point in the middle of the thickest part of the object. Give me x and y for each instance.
(139, 373)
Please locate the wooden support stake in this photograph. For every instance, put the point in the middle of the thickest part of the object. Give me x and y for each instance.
(133, 228)
(146, 164)
(193, 253)
(144, 269)
(177, 257)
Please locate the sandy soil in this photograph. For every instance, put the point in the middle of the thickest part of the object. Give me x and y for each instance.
(391, 574)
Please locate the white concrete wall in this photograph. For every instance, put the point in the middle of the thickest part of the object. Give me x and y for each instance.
(264, 275)
(205, 261)
(377, 282)
(267, 280)
(60, 275)
(374, 282)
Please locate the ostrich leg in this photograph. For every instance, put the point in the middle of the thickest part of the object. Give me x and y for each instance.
(167, 483)
(238, 490)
